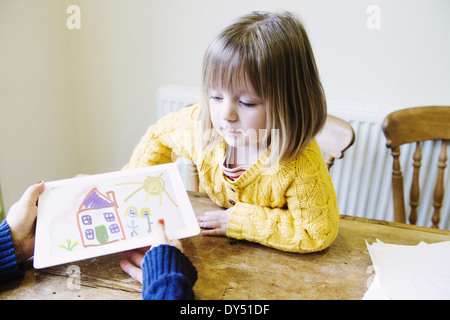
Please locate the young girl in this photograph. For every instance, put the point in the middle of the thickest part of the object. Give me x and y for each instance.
(252, 138)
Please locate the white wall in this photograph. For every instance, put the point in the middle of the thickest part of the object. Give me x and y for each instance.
(78, 100)
(38, 138)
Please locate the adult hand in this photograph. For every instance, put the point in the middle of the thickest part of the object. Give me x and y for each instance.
(21, 219)
(135, 258)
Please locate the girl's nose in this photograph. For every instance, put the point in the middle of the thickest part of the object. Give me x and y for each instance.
(229, 111)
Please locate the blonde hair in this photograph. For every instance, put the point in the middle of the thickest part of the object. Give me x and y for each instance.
(273, 52)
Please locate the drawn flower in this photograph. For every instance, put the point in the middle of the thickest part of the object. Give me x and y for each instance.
(70, 245)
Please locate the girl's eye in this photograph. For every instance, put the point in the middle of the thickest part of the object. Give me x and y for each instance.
(248, 105)
(217, 98)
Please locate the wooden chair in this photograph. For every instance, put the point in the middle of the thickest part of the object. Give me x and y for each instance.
(414, 125)
(336, 136)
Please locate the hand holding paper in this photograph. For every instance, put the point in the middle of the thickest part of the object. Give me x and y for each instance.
(21, 219)
(135, 258)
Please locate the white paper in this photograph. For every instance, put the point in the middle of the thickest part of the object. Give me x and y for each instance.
(101, 214)
(376, 291)
(410, 272)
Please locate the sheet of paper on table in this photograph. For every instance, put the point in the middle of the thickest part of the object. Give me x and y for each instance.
(96, 215)
(410, 272)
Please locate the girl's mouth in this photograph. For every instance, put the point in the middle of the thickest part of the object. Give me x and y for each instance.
(231, 132)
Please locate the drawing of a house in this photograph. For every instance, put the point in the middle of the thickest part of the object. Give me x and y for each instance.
(98, 219)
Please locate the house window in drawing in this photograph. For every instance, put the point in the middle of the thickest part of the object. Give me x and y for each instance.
(98, 220)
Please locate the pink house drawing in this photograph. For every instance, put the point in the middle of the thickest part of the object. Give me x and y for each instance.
(98, 220)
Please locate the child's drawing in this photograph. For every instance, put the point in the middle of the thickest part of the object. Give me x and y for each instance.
(98, 220)
(96, 215)
(153, 186)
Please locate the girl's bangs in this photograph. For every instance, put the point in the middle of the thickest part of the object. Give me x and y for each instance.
(223, 68)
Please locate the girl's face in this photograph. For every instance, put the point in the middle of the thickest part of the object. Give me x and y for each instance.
(238, 116)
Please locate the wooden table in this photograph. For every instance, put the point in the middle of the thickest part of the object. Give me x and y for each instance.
(231, 269)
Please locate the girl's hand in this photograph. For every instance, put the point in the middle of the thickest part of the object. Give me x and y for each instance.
(216, 221)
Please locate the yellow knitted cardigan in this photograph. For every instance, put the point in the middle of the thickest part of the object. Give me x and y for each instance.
(291, 207)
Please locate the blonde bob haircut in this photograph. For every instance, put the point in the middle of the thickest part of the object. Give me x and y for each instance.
(273, 52)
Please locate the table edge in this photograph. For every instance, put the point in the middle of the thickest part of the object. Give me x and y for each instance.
(395, 224)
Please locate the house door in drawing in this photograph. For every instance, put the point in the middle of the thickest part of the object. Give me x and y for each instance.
(98, 219)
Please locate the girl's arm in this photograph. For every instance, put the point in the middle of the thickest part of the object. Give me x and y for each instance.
(171, 134)
(278, 229)
(308, 224)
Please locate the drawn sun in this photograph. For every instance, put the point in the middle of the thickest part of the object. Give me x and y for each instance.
(152, 186)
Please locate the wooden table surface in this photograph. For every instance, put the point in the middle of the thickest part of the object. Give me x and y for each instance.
(231, 269)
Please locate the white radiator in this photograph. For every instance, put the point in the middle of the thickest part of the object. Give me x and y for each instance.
(362, 179)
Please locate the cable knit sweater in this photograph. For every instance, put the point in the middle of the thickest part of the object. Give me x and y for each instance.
(290, 207)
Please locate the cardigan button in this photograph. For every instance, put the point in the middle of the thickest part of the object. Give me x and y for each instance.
(232, 202)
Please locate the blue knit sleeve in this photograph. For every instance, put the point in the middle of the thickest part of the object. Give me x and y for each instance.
(9, 268)
(167, 275)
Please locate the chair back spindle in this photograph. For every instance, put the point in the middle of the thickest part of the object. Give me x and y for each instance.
(414, 194)
(415, 125)
(439, 188)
